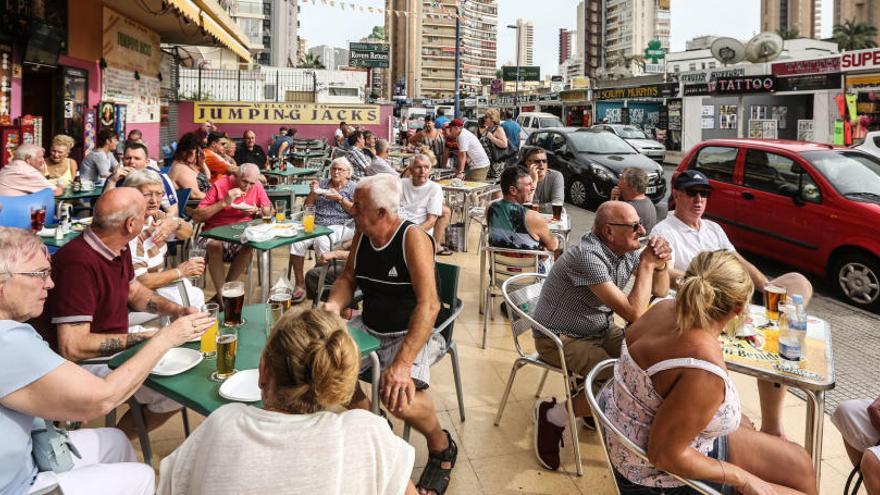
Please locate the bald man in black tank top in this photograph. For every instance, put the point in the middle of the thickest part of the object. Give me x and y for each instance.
(392, 261)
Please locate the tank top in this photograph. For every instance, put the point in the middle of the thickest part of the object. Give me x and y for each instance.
(507, 226)
(383, 276)
(631, 402)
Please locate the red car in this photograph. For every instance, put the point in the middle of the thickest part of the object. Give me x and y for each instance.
(808, 205)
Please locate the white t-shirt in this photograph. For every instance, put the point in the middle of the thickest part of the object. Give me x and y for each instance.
(244, 449)
(416, 203)
(686, 242)
(469, 143)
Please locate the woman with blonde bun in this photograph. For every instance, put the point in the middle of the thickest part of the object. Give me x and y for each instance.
(298, 442)
(671, 395)
(59, 165)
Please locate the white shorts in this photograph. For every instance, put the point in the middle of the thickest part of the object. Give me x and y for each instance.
(108, 462)
(851, 419)
(154, 401)
(323, 244)
(389, 345)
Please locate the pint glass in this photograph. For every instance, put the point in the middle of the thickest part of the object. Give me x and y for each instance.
(227, 347)
(233, 302)
(209, 338)
(774, 296)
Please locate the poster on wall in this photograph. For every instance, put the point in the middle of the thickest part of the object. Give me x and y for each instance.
(708, 122)
(90, 130)
(107, 115)
(727, 116)
(140, 95)
(708, 111)
(804, 130)
(674, 108)
(121, 120)
(763, 129)
(779, 114)
(758, 112)
(129, 45)
(5, 83)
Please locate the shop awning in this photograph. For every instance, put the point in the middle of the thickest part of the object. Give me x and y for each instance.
(223, 36)
(188, 9)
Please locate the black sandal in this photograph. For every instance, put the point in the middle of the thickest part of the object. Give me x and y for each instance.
(435, 477)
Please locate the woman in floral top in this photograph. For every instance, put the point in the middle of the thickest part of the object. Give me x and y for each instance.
(672, 396)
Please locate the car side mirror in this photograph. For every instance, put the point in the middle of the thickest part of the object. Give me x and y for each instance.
(791, 191)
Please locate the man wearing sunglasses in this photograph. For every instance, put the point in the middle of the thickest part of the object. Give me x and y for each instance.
(582, 293)
(690, 234)
(549, 184)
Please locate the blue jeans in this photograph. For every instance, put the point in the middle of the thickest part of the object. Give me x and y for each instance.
(719, 451)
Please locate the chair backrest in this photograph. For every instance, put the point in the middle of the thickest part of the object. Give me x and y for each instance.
(16, 210)
(505, 262)
(182, 198)
(521, 293)
(447, 286)
(604, 427)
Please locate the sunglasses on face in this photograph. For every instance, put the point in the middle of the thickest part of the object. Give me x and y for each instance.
(705, 193)
(634, 226)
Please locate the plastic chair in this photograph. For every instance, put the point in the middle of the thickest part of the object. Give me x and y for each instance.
(604, 425)
(16, 210)
(521, 297)
(182, 198)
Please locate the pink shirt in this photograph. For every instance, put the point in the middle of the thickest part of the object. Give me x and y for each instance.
(255, 196)
(18, 178)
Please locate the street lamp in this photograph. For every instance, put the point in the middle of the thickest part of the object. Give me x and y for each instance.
(516, 83)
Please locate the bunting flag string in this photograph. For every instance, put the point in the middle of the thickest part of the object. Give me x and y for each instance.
(440, 12)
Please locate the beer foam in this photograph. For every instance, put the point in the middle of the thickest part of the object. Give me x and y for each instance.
(233, 293)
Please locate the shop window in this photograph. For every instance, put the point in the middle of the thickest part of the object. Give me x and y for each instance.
(769, 172)
(717, 162)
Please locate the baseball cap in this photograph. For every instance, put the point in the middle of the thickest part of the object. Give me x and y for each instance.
(691, 178)
(456, 123)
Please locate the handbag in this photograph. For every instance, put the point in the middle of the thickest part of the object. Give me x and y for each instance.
(52, 448)
(496, 153)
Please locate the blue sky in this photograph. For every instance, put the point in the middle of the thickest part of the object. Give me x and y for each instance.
(322, 24)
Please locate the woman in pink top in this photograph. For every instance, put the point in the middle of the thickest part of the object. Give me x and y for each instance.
(671, 395)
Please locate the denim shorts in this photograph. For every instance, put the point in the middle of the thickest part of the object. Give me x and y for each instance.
(719, 451)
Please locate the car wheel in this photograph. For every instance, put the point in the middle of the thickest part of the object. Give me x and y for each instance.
(857, 277)
(577, 193)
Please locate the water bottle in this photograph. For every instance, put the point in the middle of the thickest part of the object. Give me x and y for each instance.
(789, 339)
(798, 323)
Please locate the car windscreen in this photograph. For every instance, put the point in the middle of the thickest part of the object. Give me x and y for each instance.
(631, 133)
(545, 122)
(600, 143)
(853, 174)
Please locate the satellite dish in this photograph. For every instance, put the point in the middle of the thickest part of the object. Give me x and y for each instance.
(764, 47)
(728, 51)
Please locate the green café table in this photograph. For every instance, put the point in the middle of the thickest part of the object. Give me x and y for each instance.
(232, 233)
(56, 243)
(70, 195)
(304, 155)
(195, 390)
(289, 173)
(287, 191)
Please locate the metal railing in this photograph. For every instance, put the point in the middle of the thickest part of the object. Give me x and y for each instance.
(292, 85)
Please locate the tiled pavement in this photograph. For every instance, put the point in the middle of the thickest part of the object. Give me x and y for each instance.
(495, 460)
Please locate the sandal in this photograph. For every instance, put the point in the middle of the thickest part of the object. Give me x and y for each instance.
(298, 295)
(444, 251)
(435, 477)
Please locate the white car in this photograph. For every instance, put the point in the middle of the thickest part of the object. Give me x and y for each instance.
(532, 121)
(637, 139)
(871, 144)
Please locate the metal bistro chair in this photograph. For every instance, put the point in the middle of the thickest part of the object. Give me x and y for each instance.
(503, 264)
(604, 426)
(521, 293)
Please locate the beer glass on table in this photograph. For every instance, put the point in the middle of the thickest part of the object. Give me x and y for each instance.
(774, 297)
(227, 348)
(280, 215)
(209, 338)
(198, 254)
(557, 212)
(309, 219)
(38, 217)
(232, 294)
(274, 312)
(281, 296)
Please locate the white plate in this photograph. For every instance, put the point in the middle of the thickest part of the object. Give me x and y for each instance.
(176, 361)
(50, 232)
(746, 330)
(242, 386)
(242, 206)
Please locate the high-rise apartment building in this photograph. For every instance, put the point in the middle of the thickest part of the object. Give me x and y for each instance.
(331, 57)
(858, 11)
(590, 28)
(628, 27)
(565, 44)
(792, 15)
(271, 27)
(423, 47)
(525, 39)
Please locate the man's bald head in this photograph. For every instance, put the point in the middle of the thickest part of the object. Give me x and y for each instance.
(614, 226)
(117, 206)
(613, 212)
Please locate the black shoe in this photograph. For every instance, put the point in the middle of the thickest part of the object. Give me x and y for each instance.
(548, 437)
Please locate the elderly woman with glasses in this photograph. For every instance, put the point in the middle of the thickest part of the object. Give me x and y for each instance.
(38, 383)
(333, 210)
(308, 372)
(149, 249)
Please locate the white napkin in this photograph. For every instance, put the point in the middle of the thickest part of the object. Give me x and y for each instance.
(265, 231)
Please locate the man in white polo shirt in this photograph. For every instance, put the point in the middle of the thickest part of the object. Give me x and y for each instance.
(421, 202)
(689, 234)
(470, 153)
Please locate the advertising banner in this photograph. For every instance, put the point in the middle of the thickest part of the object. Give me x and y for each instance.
(284, 113)
(129, 45)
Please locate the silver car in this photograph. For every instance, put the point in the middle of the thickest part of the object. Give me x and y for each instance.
(636, 137)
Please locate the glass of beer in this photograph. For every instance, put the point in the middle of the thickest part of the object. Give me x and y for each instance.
(280, 215)
(199, 254)
(774, 296)
(274, 312)
(557, 212)
(209, 338)
(227, 348)
(282, 297)
(233, 302)
(309, 219)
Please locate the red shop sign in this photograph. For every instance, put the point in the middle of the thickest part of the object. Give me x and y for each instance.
(860, 60)
(801, 67)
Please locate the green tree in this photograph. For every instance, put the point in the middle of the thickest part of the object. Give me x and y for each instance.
(788, 34)
(378, 33)
(852, 35)
(312, 61)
